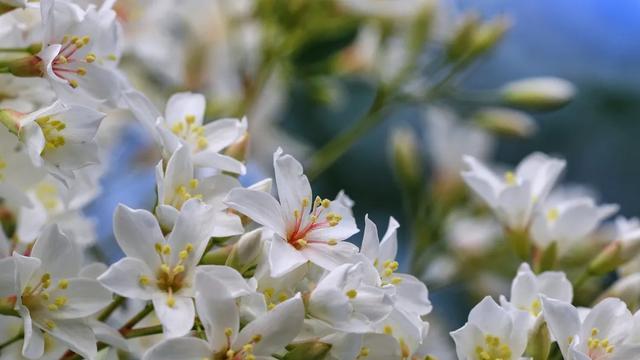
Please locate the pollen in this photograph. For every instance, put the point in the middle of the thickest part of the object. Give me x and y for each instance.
(50, 324)
(73, 83)
(228, 332)
(61, 301)
(332, 242)
(81, 71)
(553, 214)
(388, 329)
(144, 280)
(510, 178)
(63, 284)
(91, 57)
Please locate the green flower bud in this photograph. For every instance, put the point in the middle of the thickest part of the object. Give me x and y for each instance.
(543, 93)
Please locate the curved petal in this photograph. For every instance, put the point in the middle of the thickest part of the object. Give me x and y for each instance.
(283, 258)
(293, 185)
(217, 310)
(57, 253)
(137, 233)
(177, 320)
(276, 328)
(181, 105)
(259, 206)
(124, 277)
(186, 348)
(84, 297)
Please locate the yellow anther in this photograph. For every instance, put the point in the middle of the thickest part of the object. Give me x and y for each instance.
(351, 294)
(46, 284)
(61, 301)
(166, 249)
(63, 284)
(44, 295)
(282, 296)
(144, 280)
(178, 269)
(396, 280)
(52, 307)
(230, 353)
(302, 242)
(62, 59)
(388, 330)
(91, 57)
(271, 306)
(165, 268)
(326, 203)
(256, 338)
(50, 324)
(510, 178)
(594, 331)
(268, 292)
(332, 242)
(553, 214)
(158, 247)
(364, 352)
(193, 183)
(247, 348)
(73, 83)
(250, 357)
(81, 71)
(296, 213)
(112, 57)
(189, 247)
(202, 143)
(387, 272)
(190, 119)
(305, 202)
(45, 277)
(183, 254)
(228, 332)
(394, 265)
(171, 301)
(85, 39)
(177, 128)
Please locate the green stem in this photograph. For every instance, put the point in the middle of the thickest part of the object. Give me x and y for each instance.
(136, 319)
(581, 280)
(104, 315)
(16, 49)
(18, 337)
(333, 150)
(145, 331)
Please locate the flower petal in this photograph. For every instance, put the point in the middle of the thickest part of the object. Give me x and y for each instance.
(124, 277)
(283, 258)
(186, 348)
(217, 310)
(259, 206)
(137, 233)
(176, 320)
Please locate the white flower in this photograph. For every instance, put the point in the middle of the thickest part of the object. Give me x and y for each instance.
(51, 297)
(220, 316)
(513, 196)
(492, 333)
(347, 301)
(566, 220)
(80, 52)
(527, 289)
(470, 233)
(163, 270)
(608, 331)
(304, 230)
(182, 125)
(17, 172)
(61, 138)
(179, 183)
(410, 296)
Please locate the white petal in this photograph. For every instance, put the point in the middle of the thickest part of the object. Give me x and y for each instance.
(137, 233)
(176, 320)
(389, 242)
(259, 206)
(370, 240)
(491, 318)
(413, 295)
(76, 335)
(210, 159)
(123, 278)
(229, 278)
(181, 105)
(57, 253)
(293, 185)
(217, 310)
(186, 348)
(84, 297)
(7, 277)
(33, 345)
(283, 258)
(330, 256)
(277, 327)
(223, 132)
(108, 335)
(562, 320)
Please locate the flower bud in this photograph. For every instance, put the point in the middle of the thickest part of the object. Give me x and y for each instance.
(608, 260)
(539, 342)
(217, 257)
(626, 289)
(246, 251)
(30, 66)
(505, 122)
(313, 350)
(488, 35)
(405, 157)
(543, 93)
(463, 37)
(11, 119)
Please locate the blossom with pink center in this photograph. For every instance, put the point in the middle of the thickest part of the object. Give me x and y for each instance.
(304, 230)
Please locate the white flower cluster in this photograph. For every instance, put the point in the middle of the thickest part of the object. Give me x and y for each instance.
(228, 272)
